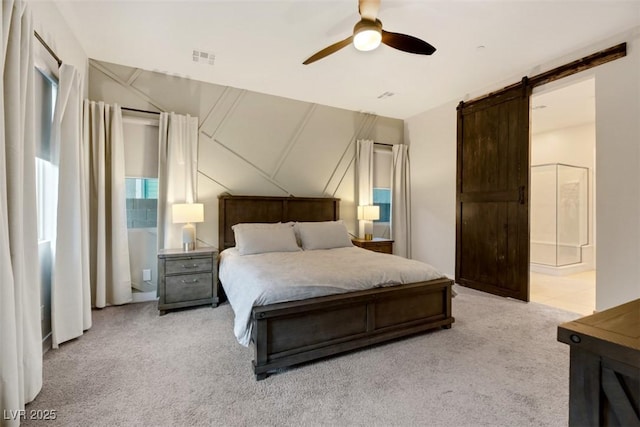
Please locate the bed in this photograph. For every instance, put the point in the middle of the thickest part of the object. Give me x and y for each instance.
(289, 333)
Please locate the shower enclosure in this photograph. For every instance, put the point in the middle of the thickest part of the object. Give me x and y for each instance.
(559, 214)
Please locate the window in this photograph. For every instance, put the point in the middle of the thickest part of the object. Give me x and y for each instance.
(382, 159)
(142, 202)
(382, 198)
(46, 90)
(142, 188)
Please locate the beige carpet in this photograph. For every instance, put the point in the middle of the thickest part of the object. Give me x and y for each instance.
(500, 365)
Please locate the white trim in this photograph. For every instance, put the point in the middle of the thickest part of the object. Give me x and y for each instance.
(144, 296)
(563, 270)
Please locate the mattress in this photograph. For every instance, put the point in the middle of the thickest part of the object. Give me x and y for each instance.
(267, 278)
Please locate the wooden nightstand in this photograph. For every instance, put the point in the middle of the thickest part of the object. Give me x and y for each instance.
(377, 245)
(604, 363)
(186, 279)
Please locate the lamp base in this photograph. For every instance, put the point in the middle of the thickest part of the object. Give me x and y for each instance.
(188, 237)
(368, 236)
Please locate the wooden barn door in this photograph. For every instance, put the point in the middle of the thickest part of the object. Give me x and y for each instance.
(492, 213)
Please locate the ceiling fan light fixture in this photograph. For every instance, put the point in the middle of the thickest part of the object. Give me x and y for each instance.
(367, 35)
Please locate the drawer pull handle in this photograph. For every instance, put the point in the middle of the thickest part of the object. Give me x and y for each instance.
(189, 282)
(189, 266)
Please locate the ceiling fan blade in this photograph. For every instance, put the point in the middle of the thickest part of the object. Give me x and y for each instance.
(407, 43)
(369, 9)
(328, 50)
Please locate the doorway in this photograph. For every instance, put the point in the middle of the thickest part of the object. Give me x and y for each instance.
(492, 182)
(562, 186)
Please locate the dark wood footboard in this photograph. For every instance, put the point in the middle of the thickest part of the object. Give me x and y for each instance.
(286, 334)
(290, 333)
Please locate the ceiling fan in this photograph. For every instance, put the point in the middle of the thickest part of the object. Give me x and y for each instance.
(368, 33)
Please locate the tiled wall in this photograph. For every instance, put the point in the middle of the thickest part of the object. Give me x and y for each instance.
(142, 213)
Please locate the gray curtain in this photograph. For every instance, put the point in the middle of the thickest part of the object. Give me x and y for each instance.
(177, 172)
(401, 201)
(70, 285)
(109, 245)
(364, 176)
(20, 329)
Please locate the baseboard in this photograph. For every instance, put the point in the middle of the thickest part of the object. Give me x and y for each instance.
(564, 270)
(144, 286)
(144, 296)
(47, 342)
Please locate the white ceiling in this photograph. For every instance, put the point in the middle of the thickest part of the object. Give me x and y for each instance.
(260, 45)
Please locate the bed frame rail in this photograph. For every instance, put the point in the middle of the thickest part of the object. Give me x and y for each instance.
(290, 333)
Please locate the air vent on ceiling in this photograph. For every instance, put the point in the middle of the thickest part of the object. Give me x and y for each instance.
(385, 95)
(203, 57)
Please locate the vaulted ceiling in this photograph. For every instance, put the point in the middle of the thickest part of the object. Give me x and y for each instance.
(260, 45)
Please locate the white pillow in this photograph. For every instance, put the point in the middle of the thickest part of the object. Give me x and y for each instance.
(261, 238)
(323, 235)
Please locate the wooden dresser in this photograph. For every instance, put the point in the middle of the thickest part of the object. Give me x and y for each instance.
(604, 384)
(187, 279)
(377, 245)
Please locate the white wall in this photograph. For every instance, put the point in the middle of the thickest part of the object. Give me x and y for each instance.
(432, 139)
(432, 136)
(618, 179)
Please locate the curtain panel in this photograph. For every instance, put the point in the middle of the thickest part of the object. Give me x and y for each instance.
(364, 177)
(401, 201)
(70, 285)
(20, 327)
(108, 246)
(177, 172)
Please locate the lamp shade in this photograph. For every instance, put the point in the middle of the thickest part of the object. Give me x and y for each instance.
(369, 212)
(183, 213)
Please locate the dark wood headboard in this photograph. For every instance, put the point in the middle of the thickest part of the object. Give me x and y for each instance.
(243, 209)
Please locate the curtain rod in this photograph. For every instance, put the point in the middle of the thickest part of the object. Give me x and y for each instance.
(46, 46)
(139, 111)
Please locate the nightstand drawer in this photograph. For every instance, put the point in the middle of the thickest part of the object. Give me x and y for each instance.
(188, 287)
(188, 266)
(385, 249)
(384, 246)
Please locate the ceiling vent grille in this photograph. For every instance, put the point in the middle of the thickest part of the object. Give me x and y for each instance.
(385, 95)
(203, 57)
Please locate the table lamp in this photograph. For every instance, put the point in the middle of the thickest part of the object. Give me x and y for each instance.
(368, 213)
(188, 214)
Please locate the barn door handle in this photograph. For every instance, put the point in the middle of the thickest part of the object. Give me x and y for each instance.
(521, 195)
